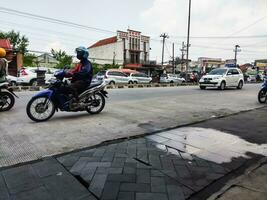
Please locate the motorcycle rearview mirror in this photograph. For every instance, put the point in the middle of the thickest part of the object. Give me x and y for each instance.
(66, 67)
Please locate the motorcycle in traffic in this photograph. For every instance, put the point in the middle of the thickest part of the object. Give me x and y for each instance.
(262, 95)
(43, 105)
(7, 97)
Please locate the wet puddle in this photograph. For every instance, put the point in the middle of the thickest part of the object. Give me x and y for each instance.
(209, 144)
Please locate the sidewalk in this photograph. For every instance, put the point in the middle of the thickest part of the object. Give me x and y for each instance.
(171, 165)
(251, 185)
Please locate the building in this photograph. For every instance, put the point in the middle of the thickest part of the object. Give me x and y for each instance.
(261, 64)
(207, 64)
(15, 58)
(129, 49)
(46, 60)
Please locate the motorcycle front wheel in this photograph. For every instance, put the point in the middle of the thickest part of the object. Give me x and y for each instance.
(262, 95)
(40, 109)
(7, 101)
(97, 102)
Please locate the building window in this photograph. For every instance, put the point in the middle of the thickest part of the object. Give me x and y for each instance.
(145, 57)
(135, 57)
(144, 46)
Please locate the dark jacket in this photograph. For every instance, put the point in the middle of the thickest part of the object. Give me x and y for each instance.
(82, 72)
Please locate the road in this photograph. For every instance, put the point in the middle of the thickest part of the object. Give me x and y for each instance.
(128, 112)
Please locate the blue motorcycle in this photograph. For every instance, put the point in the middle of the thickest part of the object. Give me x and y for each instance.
(43, 105)
(262, 95)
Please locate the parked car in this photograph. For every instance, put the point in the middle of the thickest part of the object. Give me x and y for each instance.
(222, 78)
(139, 78)
(28, 75)
(113, 77)
(171, 78)
(12, 80)
(251, 78)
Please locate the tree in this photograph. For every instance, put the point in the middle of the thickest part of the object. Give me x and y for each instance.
(30, 59)
(19, 42)
(62, 58)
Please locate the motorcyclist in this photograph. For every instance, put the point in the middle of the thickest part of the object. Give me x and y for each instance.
(3, 65)
(82, 74)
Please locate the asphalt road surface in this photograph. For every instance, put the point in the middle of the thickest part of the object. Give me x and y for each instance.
(128, 112)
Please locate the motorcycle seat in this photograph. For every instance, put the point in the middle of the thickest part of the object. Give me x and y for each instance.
(94, 85)
(3, 83)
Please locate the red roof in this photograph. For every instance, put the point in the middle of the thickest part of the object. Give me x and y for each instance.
(104, 42)
(133, 65)
(5, 43)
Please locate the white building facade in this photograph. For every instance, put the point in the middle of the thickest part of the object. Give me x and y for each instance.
(125, 48)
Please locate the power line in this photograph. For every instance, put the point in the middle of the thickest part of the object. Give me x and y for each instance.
(250, 25)
(223, 37)
(51, 20)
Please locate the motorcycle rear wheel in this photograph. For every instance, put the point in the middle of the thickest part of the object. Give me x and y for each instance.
(36, 111)
(262, 95)
(98, 104)
(7, 101)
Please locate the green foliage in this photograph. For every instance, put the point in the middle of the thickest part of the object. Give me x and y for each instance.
(19, 42)
(97, 68)
(29, 59)
(62, 58)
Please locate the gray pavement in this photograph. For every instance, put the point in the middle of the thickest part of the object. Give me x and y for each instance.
(176, 164)
(128, 112)
(250, 186)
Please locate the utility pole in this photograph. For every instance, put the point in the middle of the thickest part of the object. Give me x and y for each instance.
(173, 62)
(183, 50)
(164, 36)
(236, 50)
(188, 35)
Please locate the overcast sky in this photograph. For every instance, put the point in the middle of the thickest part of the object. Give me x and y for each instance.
(210, 19)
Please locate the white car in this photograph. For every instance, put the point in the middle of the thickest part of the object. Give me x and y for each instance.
(28, 75)
(113, 77)
(222, 78)
(139, 78)
(171, 78)
(12, 80)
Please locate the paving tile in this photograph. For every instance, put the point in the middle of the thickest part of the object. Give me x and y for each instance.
(155, 161)
(118, 162)
(129, 170)
(126, 196)
(99, 152)
(3, 189)
(68, 160)
(39, 193)
(166, 163)
(64, 187)
(135, 187)
(108, 156)
(111, 190)
(109, 170)
(78, 166)
(151, 196)
(130, 178)
(158, 184)
(155, 172)
(97, 184)
(143, 176)
(157, 138)
(21, 178)
(88, 173)
(175, 192)
(48, 167)
(182, 171)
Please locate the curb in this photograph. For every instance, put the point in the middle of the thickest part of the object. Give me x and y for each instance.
(117, 86)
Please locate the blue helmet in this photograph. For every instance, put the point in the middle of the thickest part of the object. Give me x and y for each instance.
(82, 52)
